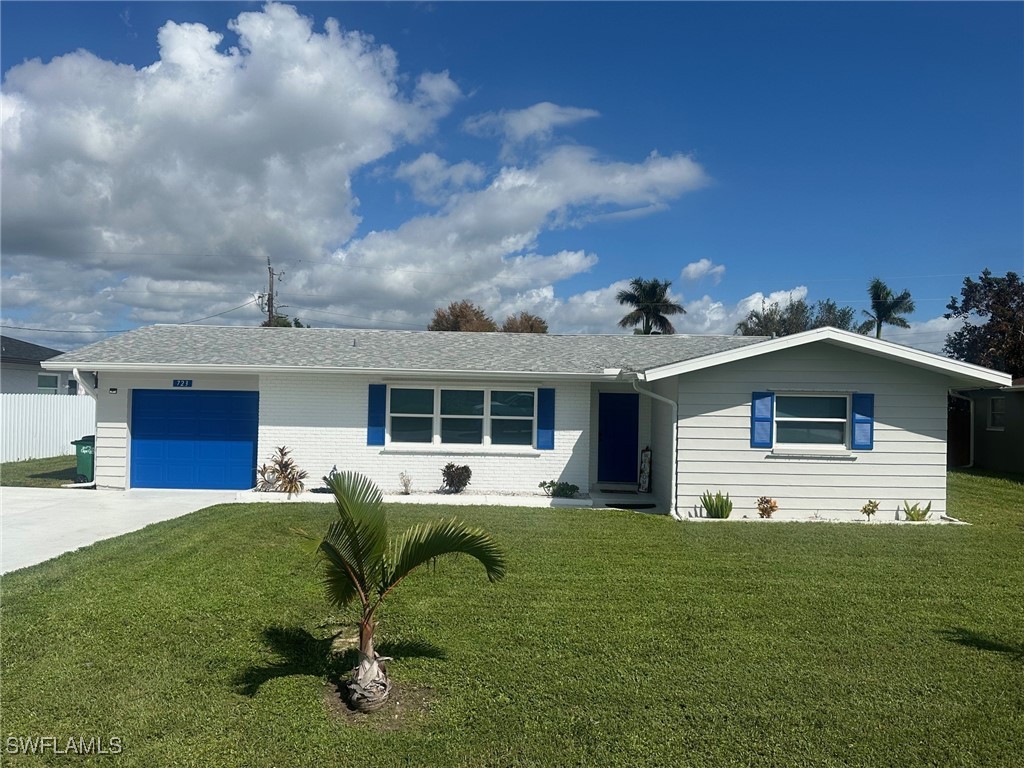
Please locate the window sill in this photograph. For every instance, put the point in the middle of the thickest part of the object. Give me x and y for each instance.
(461, 450)
(840, 454)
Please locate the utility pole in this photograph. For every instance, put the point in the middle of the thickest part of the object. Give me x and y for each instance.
(270, 296)
(266, 300)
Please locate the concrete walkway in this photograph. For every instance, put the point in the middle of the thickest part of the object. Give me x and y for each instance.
(37, 524)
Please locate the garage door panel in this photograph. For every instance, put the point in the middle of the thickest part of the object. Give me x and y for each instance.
(197, 439)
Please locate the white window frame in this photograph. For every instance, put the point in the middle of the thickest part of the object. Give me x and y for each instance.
(845, 445)
(432, 416)
(991, 425)
(484, 424)
(490, 417)
(48, 390)
(487, 418)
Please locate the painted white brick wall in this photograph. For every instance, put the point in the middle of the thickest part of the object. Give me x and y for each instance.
(322, 418)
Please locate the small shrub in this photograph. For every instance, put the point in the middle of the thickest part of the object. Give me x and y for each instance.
(916, 514)
(456, 477)
(718, 506)
(559, 490)
(869, 509)
(282, 475)
(406, 480)
(766, 506)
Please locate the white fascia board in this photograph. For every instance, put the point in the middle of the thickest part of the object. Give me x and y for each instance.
(395, 373)
(963, 372)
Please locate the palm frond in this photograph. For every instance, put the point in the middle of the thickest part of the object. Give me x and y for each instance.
(340, 579)
(428, 541)
(662, 324)
(628, 297)
(360, 534)
(903, 304)
(866, 327)
(898, 321)
(633, 319)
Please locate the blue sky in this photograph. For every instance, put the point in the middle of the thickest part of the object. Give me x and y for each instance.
(527, 156)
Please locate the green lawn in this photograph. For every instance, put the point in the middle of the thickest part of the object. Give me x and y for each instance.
(617, 639)
(39, 473)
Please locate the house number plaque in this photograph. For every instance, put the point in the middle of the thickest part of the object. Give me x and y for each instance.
(182, 382)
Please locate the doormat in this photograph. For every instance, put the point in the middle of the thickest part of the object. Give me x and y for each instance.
(631, 506)
(613, 490)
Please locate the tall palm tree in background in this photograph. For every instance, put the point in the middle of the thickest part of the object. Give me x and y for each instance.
(362, 563)
(886, 309)
(651, 304)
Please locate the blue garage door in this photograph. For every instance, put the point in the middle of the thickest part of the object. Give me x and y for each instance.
(194, 439)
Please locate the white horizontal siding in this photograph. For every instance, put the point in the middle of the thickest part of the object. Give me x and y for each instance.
(908, 460)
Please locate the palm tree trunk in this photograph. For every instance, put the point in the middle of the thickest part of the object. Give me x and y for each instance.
(369, 688)
(878, 329)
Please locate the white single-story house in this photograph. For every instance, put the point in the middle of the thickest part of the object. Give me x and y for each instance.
(21, 373)
(821, 421)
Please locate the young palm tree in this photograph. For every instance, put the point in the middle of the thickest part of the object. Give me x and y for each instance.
(651, 303)
(886, 309)
(362, 562)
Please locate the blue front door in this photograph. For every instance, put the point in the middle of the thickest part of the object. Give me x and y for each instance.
(194, 439)
(618, 419)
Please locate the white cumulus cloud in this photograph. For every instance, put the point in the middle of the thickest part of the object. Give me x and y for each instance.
(704, 268)
(434, 181)
(156, 194)
(536, 123)
(216, 157)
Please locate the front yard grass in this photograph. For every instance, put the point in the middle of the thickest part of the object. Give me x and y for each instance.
(617, 639)
(39, 473)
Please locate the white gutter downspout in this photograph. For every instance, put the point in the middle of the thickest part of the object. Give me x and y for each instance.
(674, 511)
(91, 393)
(970, 402)
(81, 382)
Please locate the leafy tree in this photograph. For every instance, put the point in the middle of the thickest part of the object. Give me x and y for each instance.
(795, 317)
(828, 313)
(462, 316)
(361, 562)
(886, 308)
(999, 341)
(283, 321)
(651, 304)
(775, 320)
(524, 322)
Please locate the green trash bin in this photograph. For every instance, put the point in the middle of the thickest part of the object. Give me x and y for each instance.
(84, 453)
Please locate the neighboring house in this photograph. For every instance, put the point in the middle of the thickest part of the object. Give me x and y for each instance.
(822, 420)
(997, 431)
(20, 371)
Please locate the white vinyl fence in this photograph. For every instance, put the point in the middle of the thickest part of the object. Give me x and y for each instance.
(39, 426)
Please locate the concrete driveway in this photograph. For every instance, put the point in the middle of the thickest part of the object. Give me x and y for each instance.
(39, 523)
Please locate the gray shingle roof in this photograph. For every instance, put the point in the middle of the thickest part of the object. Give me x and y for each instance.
(266, 348)
(18, 351)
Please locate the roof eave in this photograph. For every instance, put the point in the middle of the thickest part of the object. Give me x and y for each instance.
(448, 374)
(964, 372)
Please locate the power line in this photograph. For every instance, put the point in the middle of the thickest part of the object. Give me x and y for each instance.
(361, 317)
(123, 330)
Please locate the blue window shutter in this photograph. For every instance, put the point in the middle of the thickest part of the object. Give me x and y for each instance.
(375, 414)
(546, 419)
(863, 438)
(762, 409)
